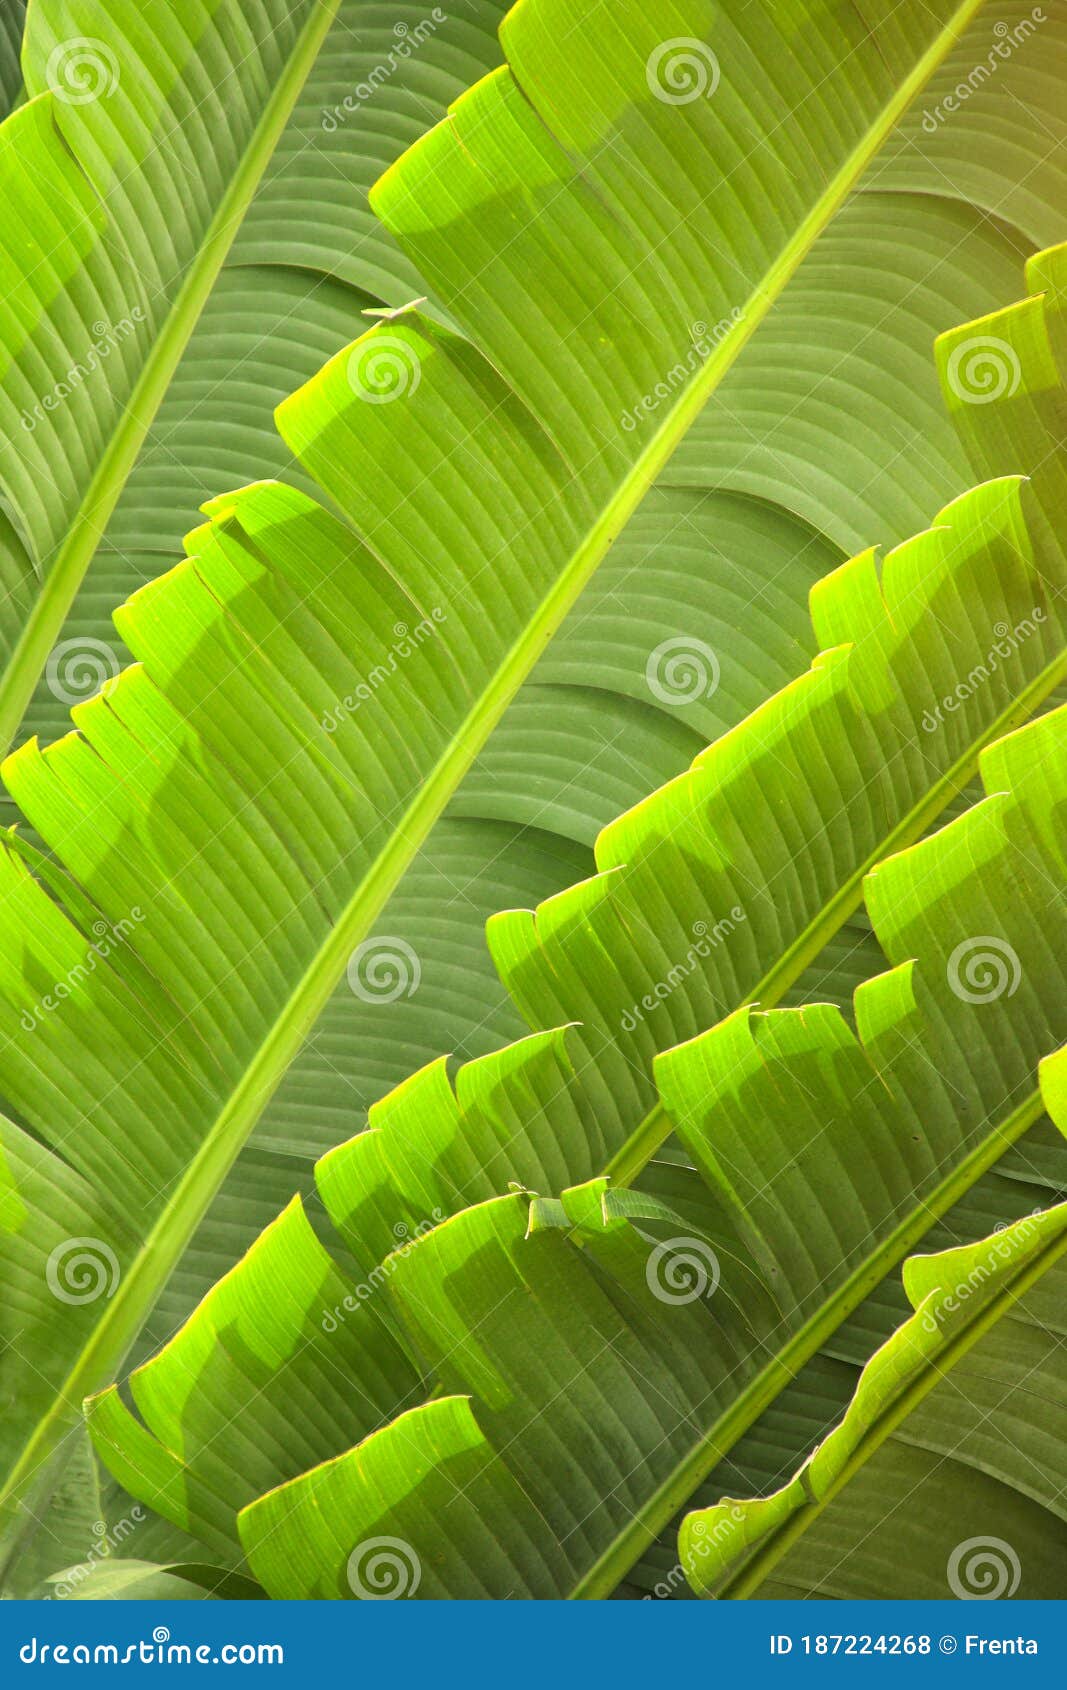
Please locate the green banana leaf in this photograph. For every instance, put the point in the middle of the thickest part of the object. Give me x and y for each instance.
(946, 1475)
(11, 22)
(195, 186)
(515, 1116)
(222, 947)
(527, 772)
(114, 1579)
(568, 1370)
(830, 428)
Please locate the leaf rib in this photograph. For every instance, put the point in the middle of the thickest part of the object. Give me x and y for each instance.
(66, 569)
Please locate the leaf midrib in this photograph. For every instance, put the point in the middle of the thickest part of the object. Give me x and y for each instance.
(761, 1392)
(64, 575)
(652, 1132)
(168, 1238)
(748, 1580)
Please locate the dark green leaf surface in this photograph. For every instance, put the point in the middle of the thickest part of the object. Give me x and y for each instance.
(946, 1475)
(610, 1366)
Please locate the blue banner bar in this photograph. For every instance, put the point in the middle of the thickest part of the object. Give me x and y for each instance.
(517, 1644)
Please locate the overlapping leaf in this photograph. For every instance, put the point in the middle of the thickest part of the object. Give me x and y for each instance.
(945, 1476)
(161, 296)
(588, 1373)
(229, 818)
(696, 910)
(11, 23)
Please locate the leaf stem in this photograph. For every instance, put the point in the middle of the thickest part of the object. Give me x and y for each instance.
(675, 1492)
(63, 576)
(654, 1130)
